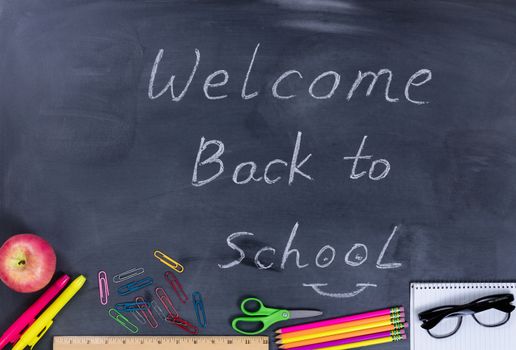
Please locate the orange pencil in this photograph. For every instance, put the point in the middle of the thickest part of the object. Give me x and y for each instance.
(393, 319)
(345, 329)
(375, 330)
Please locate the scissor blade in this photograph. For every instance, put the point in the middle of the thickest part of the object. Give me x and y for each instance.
(304, 313)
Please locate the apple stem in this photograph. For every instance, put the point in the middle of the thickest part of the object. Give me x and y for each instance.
(21, 262)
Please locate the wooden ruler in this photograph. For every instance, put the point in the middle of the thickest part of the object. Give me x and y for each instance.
(161, 343)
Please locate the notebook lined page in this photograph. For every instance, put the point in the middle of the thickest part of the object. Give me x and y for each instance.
(471, 335)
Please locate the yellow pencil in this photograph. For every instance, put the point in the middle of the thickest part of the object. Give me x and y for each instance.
(365, 343)
(336, 331)
(344, 335)
(392, 319)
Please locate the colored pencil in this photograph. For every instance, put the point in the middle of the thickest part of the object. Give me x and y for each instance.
(366, 343)
(344, 335)
(396, 333)
(389, 311)
(337, 331)
(393, 319)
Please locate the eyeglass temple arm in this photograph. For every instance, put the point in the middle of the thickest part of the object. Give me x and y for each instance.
(432, 318)
(506, 308)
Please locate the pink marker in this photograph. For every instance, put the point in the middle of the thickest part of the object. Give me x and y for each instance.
(302, 327)
(13, 333)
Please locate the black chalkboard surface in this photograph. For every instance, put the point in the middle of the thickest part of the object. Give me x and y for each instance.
(364, 144)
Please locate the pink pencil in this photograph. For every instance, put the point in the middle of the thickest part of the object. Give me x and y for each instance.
(394, 334)
(301, 327)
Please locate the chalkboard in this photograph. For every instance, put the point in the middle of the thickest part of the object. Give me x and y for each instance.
(374, 140)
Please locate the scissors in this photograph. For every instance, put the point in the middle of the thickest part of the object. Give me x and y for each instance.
(263, 317)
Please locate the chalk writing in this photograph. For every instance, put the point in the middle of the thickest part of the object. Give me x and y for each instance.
(418, 79)
(354, 257)
(317, 288)
(354, 175)
(170, 83)
(246, 172)
(379, 263)
(287, 85)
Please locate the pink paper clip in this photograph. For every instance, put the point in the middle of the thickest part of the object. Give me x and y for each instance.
(167, 303)
(183, 324)
(146, 312)
(103, 287)
(178, 288)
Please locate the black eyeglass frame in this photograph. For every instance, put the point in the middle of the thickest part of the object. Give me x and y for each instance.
(432, 317)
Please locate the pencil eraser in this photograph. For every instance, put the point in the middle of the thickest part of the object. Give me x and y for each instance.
(404, 336)
(406, 324)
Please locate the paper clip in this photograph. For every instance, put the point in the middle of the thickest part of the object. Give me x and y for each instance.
(178, 288)
(103, 287)
(167, 260)
(167, 303)
(199, 309)
(183, 324)
(139, 317)
(128, 274)
(123, 321)
(146, 312)
(161, 313)
(131, 306)
(134, 286)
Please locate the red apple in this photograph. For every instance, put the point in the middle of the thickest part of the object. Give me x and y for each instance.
(27, 263)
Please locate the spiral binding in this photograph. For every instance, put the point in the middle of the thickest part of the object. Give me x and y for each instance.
(463, 285)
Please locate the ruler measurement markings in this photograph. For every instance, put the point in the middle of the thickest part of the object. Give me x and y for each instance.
(164, 342)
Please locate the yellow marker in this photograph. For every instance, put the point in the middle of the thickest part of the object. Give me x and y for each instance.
(38, 329)
(167, 260)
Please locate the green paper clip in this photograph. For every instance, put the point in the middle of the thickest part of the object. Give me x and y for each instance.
(123, 321)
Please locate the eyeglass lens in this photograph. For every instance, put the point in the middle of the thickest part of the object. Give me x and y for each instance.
(451, 324)
(447, 327)
(491, 317)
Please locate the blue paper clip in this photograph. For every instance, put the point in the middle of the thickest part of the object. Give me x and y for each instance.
(199, 309)
(134, 286)
(130, 306)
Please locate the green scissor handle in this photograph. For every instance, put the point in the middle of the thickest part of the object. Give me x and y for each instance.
(263, 316)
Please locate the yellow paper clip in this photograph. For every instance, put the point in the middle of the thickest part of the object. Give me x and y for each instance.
(165, 259)
(123, 321)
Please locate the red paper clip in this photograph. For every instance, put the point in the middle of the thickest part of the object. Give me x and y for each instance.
(183, 324)
(167, 303)
(178, 288)
(146, 312)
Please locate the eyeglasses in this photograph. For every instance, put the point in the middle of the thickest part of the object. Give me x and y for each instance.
(489, 311)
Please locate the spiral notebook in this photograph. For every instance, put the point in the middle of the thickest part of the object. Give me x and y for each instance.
(471, 335)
